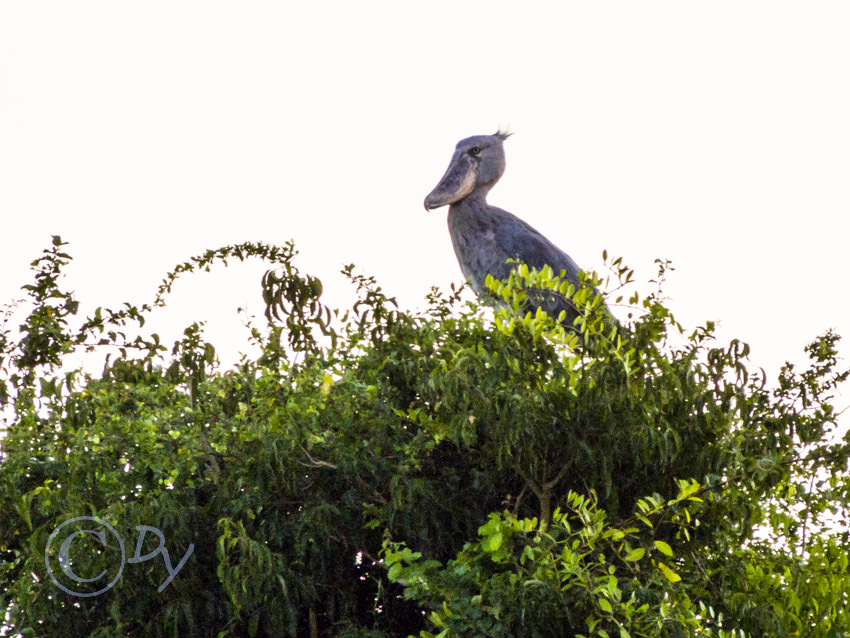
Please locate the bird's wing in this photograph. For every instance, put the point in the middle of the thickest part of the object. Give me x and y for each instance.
(520, 241)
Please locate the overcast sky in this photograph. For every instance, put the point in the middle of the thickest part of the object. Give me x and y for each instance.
(715, 134)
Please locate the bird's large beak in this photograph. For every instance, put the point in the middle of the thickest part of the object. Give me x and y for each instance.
(456, 184)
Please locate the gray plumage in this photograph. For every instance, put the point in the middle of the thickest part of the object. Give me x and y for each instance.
(485, 237)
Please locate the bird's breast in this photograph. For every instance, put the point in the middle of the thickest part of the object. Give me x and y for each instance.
(478, 252)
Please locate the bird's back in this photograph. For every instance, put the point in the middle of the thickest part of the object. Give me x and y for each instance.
(485, 238)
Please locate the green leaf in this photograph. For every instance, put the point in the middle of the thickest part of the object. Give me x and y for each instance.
(635, 555)
(664, 548)
(394, 571)
(604, 605)
(492, 543)
(672, 576)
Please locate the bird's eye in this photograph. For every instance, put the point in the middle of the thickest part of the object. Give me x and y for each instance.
(475, 150)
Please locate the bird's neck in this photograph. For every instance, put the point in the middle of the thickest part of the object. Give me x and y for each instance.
(475, 202)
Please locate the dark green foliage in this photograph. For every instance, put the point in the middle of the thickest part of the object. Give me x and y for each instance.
(379, 473)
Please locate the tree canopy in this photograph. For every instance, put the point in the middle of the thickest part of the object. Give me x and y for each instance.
(377, 472)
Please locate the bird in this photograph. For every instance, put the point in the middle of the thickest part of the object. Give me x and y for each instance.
(489, 240)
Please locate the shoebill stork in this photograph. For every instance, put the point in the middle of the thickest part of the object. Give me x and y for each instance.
(485, 237)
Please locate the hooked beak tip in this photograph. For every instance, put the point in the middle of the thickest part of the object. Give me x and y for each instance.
(456, 184)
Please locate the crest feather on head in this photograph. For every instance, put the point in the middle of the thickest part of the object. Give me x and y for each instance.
(502, 135)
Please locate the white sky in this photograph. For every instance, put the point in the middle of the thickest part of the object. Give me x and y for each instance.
(713, 134)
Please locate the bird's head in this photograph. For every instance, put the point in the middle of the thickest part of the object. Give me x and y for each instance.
(478, 163)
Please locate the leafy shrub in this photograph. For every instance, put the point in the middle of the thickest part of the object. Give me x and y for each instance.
(375, 472)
